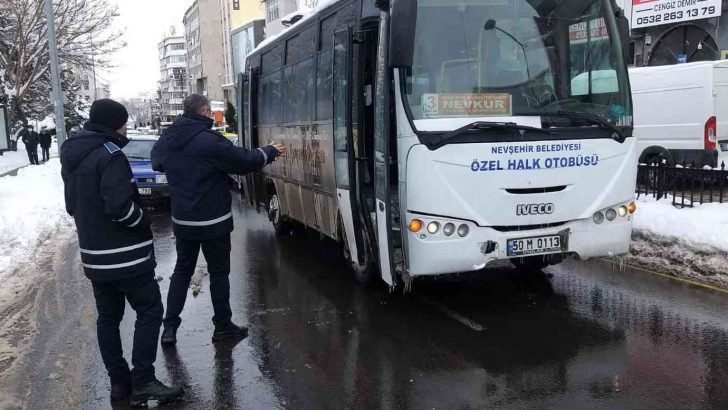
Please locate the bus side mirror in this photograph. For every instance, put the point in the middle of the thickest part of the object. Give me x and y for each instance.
(403, 16)
(623, 28)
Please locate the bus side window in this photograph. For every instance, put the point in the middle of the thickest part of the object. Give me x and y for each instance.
(324, 75)
(269, 94)
(298, 77)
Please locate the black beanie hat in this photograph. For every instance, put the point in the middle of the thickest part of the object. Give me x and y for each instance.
(108, 113)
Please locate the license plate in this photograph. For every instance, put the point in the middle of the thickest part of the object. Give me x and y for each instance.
(724, 146)
(534, 245)
(145, 191)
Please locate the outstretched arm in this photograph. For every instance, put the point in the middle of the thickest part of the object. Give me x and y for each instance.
(237, 160)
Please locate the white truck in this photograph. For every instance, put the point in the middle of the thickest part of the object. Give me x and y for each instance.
(681, 113)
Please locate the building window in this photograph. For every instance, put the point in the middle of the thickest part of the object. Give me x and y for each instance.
(236, 4)
(272, 10)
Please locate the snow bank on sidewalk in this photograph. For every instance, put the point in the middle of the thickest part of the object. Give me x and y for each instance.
(689, 243)
(702, 227)
(31, 209)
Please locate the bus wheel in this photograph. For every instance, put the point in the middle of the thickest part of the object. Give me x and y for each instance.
(536, 263)
(364, 274)
(280, 223)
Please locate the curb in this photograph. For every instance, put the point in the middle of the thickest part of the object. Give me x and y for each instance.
(675, 278)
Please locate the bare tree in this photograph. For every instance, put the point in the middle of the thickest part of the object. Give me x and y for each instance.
(84, 38)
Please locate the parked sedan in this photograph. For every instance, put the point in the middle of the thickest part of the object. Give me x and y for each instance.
(152, 184)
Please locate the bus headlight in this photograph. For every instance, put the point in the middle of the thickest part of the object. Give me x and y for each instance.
(598, 218)
(415, 225)
(463, 230)
(611, 214)
(160, 179)
(622, 211)
(433, 227)
(448, 229)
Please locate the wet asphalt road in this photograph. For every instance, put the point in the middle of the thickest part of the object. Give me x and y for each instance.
(586, 336)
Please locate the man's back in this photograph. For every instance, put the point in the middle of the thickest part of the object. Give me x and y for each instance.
(197, 162)
(102, 200)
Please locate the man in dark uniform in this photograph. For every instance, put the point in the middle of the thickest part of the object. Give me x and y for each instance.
(197, 161)
(117, 250)
(30, 139)
(45, 139)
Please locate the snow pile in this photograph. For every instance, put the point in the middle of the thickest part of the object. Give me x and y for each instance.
(49, 122)
(704, 226)
(12, 160)
(690, 243)
(31, 210)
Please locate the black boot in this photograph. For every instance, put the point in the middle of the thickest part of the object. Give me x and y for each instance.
(120, 390)
(169, 335)
(229, 331)
(154, 390)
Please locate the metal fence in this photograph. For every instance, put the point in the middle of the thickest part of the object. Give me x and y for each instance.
(684, 184)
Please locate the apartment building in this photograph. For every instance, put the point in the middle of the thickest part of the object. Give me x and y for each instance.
(203, 34)
(277, 11)
(233, 15)
(173, 85)
(91, 88)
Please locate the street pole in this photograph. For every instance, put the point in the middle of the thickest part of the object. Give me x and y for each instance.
(57, 95)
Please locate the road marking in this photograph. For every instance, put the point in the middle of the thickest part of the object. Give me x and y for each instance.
(465, 321)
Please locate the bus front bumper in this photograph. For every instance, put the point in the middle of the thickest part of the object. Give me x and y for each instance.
(438, 254)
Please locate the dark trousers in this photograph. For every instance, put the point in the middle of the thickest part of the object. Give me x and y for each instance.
(46, 153)
(32, 154)
(217, 255)
(142, 292)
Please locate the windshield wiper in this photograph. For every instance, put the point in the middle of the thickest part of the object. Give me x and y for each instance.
(599, 120)
(439, 140)
(135, 157)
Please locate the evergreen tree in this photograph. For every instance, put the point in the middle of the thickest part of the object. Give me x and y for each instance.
(231, 118)
(75, 107)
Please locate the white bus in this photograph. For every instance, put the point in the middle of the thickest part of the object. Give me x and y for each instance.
(436, 136)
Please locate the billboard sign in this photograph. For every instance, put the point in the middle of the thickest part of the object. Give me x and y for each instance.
(646, 13)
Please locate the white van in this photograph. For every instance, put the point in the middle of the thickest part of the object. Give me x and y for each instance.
(681, 112)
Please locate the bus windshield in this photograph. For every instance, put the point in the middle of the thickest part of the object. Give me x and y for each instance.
(501, 58)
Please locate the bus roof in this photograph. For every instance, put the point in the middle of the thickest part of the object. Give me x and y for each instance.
(307, 15)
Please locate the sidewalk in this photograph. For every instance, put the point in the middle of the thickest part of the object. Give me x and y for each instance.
(11, 161)
(690, 243)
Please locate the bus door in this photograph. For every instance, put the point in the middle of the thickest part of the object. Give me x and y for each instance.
(382, 154)
(243, 125)
(345, 165)
(252, 180)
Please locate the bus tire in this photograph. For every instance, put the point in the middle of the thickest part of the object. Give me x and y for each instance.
(281, 224)
(364, 274)
(531, 264)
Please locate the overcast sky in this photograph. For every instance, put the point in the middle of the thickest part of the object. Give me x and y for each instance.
(144, 23)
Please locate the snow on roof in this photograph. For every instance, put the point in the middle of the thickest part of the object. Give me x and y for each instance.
(307, 15)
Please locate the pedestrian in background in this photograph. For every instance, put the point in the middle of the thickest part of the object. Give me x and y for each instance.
(30, 139)
(117, 250)
(45, 140)
(197, 162)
